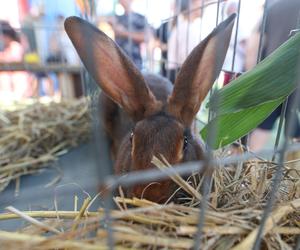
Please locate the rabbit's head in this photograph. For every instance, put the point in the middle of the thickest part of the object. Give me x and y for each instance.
(162, 124)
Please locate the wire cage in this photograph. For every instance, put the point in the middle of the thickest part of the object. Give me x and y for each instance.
(241, 199)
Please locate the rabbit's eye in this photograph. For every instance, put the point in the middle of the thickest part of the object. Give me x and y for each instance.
(131, 137)
(185, 142)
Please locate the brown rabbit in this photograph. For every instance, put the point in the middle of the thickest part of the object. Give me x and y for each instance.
(144, 116)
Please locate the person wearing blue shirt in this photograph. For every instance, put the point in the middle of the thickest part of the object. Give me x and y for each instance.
(130, 32)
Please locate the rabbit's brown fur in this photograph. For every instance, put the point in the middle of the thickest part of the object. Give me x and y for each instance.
(144, 140)
(144, 116)
(117, 123)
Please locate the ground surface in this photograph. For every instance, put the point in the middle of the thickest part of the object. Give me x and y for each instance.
(80, 172)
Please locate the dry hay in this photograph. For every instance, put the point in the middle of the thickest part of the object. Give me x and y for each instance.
(34, 136)
(233, 216)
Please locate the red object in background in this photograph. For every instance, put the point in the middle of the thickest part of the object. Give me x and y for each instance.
(230, 76)
(24, 8)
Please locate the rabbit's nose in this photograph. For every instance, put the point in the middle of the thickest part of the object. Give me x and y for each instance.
(158, 191)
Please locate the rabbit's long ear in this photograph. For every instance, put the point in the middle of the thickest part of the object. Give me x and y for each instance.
(111, 68)
(199, 72)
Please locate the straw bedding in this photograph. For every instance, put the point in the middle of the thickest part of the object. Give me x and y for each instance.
(33, 136)
(234, 211)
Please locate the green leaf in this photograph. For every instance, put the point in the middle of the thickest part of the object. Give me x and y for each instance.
(240, 122)
(248, 100)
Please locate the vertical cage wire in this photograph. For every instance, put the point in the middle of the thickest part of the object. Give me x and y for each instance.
(201, 23)
(188, 30)
(218, 11)
(236, 35)
(279, 172)
(262, 31)
(280, 127)
(288, 123)
(282, 119)
(207, 181)
(177, 15)
(147, 38)
(101, 149)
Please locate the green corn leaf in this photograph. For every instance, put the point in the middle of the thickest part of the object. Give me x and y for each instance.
(240, 122)
(247, 101)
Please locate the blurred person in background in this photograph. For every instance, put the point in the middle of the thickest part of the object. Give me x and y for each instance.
(48, 44)
(238, 47)
(185, 34)
(61, 49)
(130, 31)
(33, 27)
(56, 49)
(61, 52)
(56, 55)
(163, 32)
(277, 31)
(13, 85)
